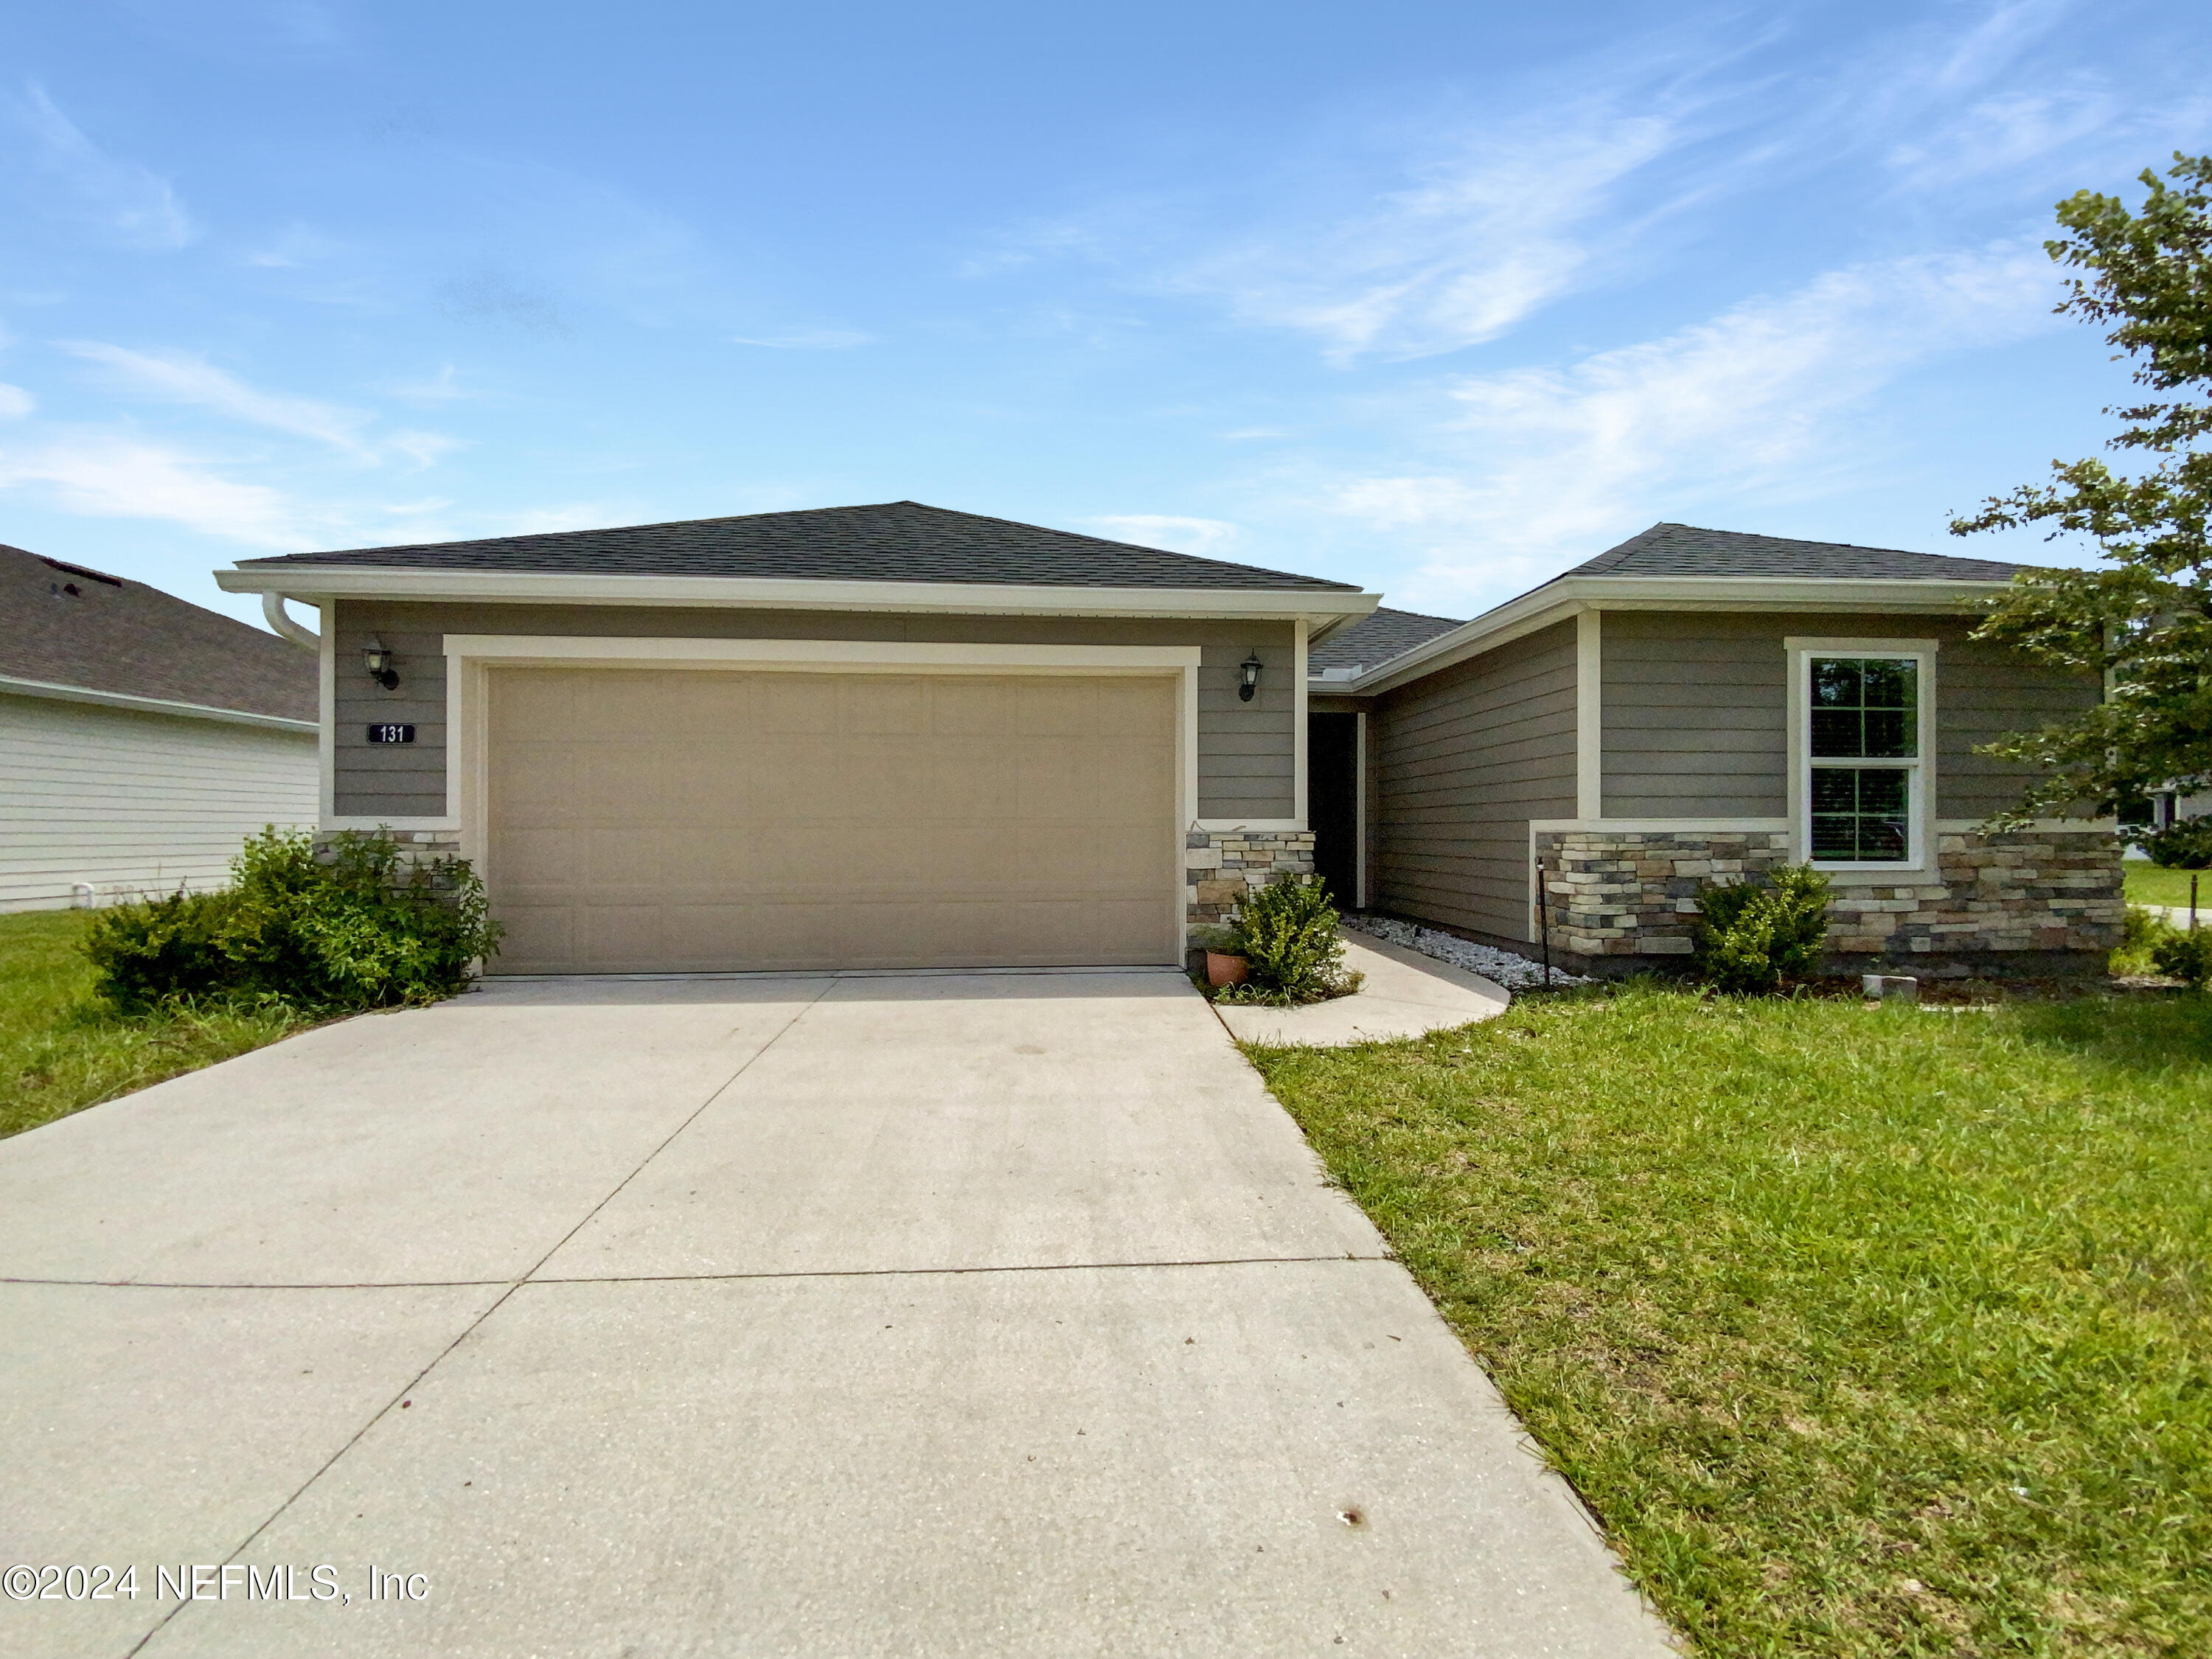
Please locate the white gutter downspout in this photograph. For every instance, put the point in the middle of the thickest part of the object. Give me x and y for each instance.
(272, 607)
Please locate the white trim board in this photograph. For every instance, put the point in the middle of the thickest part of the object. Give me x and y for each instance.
(1556, 600)
(470, 658)
(1327, 606)
(189, 711)
(1590, 713)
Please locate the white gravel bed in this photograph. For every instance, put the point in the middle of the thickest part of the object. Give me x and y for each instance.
(1503, 968)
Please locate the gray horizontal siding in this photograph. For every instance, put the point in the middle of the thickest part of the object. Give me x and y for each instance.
(1460, 762)
(1246, 750)
(1697, 710)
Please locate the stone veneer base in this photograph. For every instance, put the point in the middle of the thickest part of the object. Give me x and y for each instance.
(1222, 867)
(2008, 902)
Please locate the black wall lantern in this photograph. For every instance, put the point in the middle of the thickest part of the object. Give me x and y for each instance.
(1248, 678)
(379, 663)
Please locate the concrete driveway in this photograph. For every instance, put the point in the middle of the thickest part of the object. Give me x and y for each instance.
(980, 1314)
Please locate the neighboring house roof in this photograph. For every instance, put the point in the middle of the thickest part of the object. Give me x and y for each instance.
(62, 625)
(1375, 638)
(894, 541)
(1681, 549)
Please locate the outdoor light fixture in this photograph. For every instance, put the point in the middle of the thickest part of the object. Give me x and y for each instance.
(379, 663)
(1248, 678)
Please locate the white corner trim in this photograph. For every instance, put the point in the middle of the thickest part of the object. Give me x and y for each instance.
(279, 619)
(1590, 713)
(326, 706)
(123, 699)
(834, 656)
(359, 581)
(1300, 803)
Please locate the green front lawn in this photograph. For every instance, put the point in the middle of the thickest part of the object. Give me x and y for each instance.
(61, 1051)
(1864, 1330)
(2153, 883)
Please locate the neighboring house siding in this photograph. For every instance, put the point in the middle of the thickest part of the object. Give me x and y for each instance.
(1463, 760)
(133, 803)
(1696, 717)
(1246, 753)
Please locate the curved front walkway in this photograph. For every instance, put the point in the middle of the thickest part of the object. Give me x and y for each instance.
(980, 1314)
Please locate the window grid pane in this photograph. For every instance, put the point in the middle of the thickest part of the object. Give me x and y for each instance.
(1865, 707)
(1862, 814)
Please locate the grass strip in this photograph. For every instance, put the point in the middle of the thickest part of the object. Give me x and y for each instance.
(61, 1050)
(1864, 1330)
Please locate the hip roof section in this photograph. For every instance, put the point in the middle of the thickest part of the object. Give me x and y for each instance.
(891, 542)
(1682, 550)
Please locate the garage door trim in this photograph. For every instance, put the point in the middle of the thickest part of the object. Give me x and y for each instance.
(471, 657)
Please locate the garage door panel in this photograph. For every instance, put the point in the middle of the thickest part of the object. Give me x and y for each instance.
(798, 705)
(769, 820)
(960, 708)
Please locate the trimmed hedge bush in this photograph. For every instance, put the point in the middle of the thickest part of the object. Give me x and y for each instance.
(2184, 956)
(1286, 933)
(356, 927)
(1747, 940)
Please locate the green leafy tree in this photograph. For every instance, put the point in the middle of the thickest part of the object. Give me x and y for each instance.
(2143, 620)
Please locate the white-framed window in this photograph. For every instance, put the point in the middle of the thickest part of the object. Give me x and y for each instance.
(1863, 732)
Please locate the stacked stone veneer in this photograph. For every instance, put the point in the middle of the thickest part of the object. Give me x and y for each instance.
(1622, 893)
(1220, 867)
(415, 845)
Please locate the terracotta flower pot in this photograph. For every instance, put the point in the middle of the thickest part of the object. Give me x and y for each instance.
(1223, 968)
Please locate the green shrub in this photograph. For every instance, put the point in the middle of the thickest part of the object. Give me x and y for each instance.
(1286, 933)
(2184, 956)
(2185, 844)
(353, 927)
(1747, 940)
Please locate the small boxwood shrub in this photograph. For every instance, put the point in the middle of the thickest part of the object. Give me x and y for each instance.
(2186, 844)
(2184, 956)
(1748, 939)
(1286, 932)
(355, 927)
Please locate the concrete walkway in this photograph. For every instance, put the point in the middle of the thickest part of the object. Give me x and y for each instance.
(1405, 994)
(835, 1315)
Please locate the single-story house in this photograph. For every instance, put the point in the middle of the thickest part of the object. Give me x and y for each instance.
(897, 736)
(141, 737)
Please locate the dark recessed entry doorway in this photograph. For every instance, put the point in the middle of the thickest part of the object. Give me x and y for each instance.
(1333, 803)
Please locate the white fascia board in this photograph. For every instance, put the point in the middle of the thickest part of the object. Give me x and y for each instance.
(1570, 596)
(193, 711)
(307, 581)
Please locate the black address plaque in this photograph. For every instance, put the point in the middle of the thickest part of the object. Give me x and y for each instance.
(392, 734)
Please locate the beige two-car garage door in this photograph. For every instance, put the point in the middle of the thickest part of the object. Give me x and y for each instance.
(699, 820)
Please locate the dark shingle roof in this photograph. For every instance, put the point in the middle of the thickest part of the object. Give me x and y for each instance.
(1375, 638)
(896, 541)
(66, 625)
(1681, 549)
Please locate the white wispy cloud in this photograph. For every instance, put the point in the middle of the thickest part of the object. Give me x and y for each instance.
(807, 339)
(110, 475)
(16, 403)
(133, 205)
(178, 377)
(1556, 462)
(1166, 530)
(1476, 240)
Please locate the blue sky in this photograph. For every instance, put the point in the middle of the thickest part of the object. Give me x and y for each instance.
(1439, 298)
